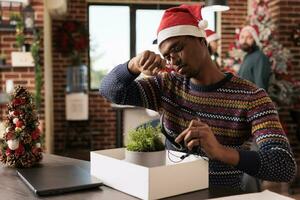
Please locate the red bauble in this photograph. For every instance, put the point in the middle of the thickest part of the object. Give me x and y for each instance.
(20, 150)
(9, 135)
(19, 124)
(8, 152)
(16, 102)
(35, 134)
(16, 113)
(36, 150)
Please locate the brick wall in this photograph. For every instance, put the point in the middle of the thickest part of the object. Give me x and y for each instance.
(102, 119)
(286, 14)
(232, 19)
(22, 75)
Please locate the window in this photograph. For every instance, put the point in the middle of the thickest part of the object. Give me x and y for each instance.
(119, 32)
(109, 29)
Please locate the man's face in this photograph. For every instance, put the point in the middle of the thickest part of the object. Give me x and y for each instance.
(214, 45)
(185, 54)
(246, 41)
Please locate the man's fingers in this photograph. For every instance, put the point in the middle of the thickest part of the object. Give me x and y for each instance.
(143, 57)
(180, 137)
(156, 63)
(195, 142)
(196, 122)
(149, 62)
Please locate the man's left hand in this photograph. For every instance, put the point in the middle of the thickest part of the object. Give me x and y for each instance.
(199, 133)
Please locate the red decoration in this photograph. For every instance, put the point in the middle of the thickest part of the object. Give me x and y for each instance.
(16, 113)
(8, 152)
(20, 150)
(36, 150)
(17, 102)
(9, 136)
(35, 134)
(19, 124)
(72, 39)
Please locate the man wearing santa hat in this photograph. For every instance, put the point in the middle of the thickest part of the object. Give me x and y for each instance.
(203, 110)
(212, 39)
(256, 66)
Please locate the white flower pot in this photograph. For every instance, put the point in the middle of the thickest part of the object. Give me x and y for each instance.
(147, 159)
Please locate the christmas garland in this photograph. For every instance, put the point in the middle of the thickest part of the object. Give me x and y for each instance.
(35, 50)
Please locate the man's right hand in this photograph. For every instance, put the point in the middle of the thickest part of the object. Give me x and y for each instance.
(146, 62)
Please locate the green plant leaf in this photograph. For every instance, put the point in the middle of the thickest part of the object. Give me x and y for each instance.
(145, 139)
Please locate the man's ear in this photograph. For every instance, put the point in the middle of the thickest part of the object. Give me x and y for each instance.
(203, 40)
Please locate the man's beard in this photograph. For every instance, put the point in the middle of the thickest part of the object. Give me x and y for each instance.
(248, 48)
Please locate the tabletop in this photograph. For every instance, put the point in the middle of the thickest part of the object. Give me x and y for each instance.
(12, 187)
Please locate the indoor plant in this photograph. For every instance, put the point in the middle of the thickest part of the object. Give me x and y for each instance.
(145, 147)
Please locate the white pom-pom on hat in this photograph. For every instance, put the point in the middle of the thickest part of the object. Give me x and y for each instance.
(203, 24)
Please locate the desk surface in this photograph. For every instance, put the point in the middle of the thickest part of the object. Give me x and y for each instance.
(12, 187)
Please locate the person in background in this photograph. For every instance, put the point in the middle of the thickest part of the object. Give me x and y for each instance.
(203, 110)
(212, 39)
(256, 66)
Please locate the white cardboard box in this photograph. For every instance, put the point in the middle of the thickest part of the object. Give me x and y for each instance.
(149, 183)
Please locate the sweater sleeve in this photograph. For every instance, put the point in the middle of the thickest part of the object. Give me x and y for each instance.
(274, 160)
(122, 87)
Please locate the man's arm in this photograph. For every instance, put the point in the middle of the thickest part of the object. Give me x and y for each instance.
(120, 85)
(276, 159)
(273, 161)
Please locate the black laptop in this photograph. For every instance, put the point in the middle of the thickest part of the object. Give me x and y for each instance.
(51, 180)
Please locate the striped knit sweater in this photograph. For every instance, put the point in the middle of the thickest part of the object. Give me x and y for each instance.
(235, 109)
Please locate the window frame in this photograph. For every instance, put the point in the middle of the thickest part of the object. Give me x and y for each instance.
(132, 29)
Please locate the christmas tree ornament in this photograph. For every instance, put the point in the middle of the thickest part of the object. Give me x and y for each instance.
(21, 145)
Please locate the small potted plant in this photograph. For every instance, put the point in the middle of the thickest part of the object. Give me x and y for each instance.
(14, 18)
(2, 59)
(145, 147)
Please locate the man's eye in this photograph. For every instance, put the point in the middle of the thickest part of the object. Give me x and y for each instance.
(177, 49)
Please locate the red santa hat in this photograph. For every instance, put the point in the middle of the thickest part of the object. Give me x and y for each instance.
(182, 20)
(211, 35)
(253, 30)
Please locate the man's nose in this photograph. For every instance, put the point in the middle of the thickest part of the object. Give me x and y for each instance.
(174, 59)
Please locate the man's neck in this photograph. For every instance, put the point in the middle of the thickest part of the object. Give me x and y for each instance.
(209, 75)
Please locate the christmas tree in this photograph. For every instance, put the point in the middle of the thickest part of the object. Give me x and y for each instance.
(235, 55)
(21, 144)
(283, 89)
